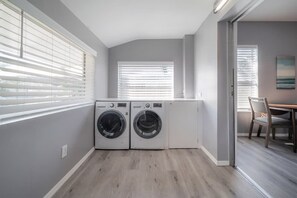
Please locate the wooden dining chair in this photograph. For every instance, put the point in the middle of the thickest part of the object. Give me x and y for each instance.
(259, 106)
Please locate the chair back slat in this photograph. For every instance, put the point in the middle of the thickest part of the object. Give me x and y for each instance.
(259, 105)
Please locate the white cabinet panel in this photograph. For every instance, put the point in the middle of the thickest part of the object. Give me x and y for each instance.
(183, 124)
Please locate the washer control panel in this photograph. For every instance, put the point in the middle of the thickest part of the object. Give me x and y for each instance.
(122, 104)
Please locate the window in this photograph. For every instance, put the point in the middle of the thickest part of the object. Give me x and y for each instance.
(149, 80)
(247, 75)
(38, 66)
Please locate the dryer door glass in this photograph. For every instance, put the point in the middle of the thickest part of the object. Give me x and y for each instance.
(111, 124)
(147, 124)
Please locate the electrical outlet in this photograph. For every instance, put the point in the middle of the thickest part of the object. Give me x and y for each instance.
(64, 151)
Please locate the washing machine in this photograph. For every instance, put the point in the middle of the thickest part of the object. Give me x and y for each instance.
(112, 125)
(148, 125)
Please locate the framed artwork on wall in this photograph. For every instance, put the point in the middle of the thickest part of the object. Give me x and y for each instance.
(285, 72)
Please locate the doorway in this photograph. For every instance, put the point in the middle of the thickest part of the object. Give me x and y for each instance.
(255, 44)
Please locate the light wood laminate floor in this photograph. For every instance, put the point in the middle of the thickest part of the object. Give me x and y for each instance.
(179, 173)
(274, 169)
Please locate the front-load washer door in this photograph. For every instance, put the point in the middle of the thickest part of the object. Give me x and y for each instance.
(147, 124)
(111, 124)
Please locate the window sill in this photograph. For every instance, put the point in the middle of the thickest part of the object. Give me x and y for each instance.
(25, 115)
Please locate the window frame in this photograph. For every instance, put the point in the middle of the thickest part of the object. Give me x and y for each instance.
(246, 109)
(19, 113)
(169, 63)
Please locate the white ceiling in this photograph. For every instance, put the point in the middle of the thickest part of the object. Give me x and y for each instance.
(274, 10)
(119, 21)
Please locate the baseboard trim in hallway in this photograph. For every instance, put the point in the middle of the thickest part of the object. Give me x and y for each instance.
(69, 174)
(252, 182)
(213, 159)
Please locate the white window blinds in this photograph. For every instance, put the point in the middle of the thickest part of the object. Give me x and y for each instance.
(145, 80)
(247, 75)
(10, 32)
(38, 66)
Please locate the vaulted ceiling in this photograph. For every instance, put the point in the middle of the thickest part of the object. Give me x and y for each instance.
(118, 21)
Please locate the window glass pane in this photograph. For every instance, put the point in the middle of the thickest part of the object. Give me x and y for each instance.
(247, 75)
(149, 80)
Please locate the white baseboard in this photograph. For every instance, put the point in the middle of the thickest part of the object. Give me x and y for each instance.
(213, 159)
(255, 134)
(223, 163)
(68, 175)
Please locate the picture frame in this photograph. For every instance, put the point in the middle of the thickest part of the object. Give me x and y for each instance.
(285, 72)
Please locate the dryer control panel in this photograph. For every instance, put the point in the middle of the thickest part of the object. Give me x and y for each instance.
(113, 105)
(157, 105)
(147, 105)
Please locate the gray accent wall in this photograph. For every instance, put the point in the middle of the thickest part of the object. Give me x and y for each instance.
(272, 39)
(30, 150)
(147, 50)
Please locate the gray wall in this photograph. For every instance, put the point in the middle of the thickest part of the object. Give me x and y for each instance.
(211, 78)
(273, 39)
(211, 83)
(188, 66)
(206, 80)
(30, 150)
(147, 50)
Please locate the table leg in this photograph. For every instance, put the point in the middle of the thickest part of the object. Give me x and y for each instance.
(294, 131)
(290, 130)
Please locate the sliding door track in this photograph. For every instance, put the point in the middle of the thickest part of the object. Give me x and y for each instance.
(253, 183)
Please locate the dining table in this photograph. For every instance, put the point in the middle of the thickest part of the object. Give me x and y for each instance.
(292, 109)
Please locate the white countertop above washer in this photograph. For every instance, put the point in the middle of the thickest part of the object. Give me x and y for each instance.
(174, 99)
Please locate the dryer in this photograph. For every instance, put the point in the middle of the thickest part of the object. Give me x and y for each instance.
(112, 125)
(148, 125)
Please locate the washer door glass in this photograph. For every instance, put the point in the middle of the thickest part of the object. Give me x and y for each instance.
(147, 124)
(111, 124)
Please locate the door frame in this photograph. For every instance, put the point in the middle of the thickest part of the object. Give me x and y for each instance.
(232, 27)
